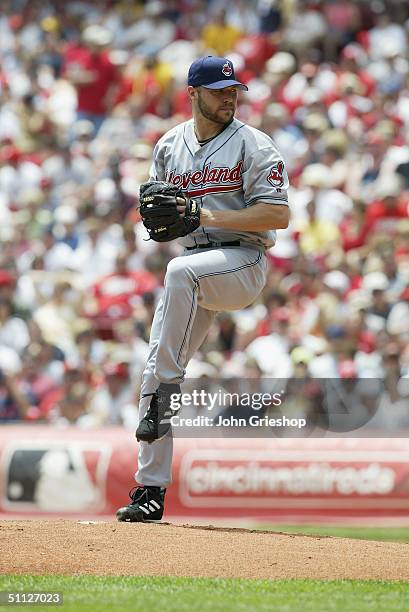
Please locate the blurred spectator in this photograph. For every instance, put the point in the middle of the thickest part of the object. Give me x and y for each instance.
(113, 403)
(306, 27)
(116, 294)
(354, 229)
(13, 330)
(14, 406)
(275, 344)
(289, 138)
(385, 33)
(218, 36)
(40, 376)
(390, 206)
(380, 306)
(57, 317)
(151, 85)
(343, 21)
(90, 69)
(397, 324)
(150, 30)
(86, 90)
(72, 408)
(270, 16)
(317, 237)
(391, 413)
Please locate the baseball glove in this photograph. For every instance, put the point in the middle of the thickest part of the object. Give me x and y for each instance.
(160, 216)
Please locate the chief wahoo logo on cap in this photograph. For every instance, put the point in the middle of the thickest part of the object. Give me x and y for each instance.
(227, 69)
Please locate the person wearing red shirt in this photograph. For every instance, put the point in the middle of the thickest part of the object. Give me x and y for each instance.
(96, 79)
(354, 228)
(383, 214)
(115, 295)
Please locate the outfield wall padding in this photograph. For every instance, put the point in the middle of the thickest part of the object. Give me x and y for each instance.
(71, 472)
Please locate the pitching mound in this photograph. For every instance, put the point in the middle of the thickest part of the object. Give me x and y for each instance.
(110, 548)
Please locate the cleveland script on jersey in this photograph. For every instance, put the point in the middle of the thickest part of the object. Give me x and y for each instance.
(235, 169)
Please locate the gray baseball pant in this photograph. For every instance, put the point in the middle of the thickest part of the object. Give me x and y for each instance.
(198, 285)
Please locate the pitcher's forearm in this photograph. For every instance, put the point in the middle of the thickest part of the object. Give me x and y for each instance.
(257, 218)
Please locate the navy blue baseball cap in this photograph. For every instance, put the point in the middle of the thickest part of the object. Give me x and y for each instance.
(213, 73)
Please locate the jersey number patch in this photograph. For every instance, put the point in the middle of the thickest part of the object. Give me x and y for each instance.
(276, 176)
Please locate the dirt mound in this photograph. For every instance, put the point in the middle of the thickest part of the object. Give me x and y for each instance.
(110, 548)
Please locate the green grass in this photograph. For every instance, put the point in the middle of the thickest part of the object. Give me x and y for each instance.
(214, 595)
(386, 534)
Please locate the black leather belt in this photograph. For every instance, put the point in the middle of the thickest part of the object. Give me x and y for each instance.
(212, 245)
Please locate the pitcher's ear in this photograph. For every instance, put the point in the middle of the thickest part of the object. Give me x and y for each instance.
(192, 91)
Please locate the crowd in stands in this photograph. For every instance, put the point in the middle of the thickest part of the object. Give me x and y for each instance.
(86, 90)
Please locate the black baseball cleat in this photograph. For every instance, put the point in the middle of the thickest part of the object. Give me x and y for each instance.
(147, 504)
(156, 422)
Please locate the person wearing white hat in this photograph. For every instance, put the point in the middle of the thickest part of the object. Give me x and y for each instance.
(95, 77)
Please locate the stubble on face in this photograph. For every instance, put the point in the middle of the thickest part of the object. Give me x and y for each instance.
(222, 117)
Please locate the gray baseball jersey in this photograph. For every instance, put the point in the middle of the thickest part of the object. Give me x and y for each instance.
(237, 168)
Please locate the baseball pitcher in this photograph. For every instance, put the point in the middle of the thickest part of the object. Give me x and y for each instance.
(220, 187)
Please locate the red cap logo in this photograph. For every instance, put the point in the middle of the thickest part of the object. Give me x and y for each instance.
(227, 69)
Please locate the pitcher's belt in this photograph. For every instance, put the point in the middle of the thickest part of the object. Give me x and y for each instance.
(212, 245)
